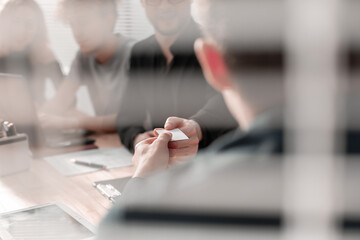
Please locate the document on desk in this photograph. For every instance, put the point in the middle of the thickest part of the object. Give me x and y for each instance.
(111, 158)
(50, 222)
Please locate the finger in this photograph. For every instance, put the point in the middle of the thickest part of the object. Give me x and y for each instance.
(147, 141)
(184, 143)
(151, 134)
(173, 122)
(155, 131)
(143, 146)
(164, 138)
(183, 151)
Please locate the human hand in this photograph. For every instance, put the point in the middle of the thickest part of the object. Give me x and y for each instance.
(152, 155)
(49, 121)
(143, 136)
(191, 129)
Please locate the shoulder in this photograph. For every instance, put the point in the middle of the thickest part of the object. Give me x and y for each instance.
(142, 53)
(269, 141)
(81, 56)
(80, 66)
(81, 61)
(127, 41)
(144, 46)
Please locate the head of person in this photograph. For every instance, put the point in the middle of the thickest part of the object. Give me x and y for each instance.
(242, 52)
(168, 17)
(22, 27)
(92, 21)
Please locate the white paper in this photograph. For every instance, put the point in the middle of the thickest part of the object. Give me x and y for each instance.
(177, 134)
(111, 158)
(48, 222)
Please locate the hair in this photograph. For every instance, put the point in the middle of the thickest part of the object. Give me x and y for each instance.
(240, 34)
(249, 33)
(38, 50)
(104, 6)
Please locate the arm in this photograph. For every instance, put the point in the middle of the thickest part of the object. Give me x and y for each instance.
(214, 120)
(54, 72)
(63, 99)
(131, 117)
(105, 124)
(59, 112)
(132, 113)
(66, 93)
(76, 119)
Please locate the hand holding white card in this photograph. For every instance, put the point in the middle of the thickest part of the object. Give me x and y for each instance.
(177, 134)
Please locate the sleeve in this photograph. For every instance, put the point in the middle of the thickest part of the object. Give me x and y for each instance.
(132, 113)
(40, 74)
(202, 188)
(140, 193)
(132, 185)
(138, 189)
(214, 119)
(55, 73)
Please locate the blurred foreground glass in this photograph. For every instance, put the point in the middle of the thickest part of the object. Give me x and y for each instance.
(158, 2)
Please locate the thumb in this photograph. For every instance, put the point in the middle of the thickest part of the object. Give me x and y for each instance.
(173, 122)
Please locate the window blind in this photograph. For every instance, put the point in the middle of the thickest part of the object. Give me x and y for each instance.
(131, 22)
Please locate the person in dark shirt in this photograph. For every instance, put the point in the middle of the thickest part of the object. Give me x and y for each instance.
(221, 180)
(165, 79)
(24, 47)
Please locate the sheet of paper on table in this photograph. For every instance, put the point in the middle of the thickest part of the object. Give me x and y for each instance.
(111, 158)
(51, 222)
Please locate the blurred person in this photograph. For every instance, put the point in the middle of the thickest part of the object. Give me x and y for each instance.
(24, 47)
(248, 71)
(100, 65)
(165, 79)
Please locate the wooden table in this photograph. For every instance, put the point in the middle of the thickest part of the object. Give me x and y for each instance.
(43, 184)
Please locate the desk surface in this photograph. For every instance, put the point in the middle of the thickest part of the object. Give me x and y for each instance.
(43, 184)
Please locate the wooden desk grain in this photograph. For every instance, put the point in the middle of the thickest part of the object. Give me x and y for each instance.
(43, 184)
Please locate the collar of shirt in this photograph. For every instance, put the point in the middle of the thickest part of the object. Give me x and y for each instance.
(183, 46)
(122, 44)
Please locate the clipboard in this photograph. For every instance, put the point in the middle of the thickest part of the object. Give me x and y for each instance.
(111, 189)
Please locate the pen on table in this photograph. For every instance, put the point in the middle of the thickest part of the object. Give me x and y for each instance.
(90, 164)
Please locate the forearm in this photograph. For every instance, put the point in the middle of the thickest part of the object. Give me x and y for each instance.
(62, 101)
(54, 106)
(128, 134)
(104, 124)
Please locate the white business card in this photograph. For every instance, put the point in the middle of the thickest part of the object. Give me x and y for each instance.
(177, 134)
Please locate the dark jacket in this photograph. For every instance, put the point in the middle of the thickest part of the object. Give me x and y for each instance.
(157, 91)
(239, 173)
(219, 173)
